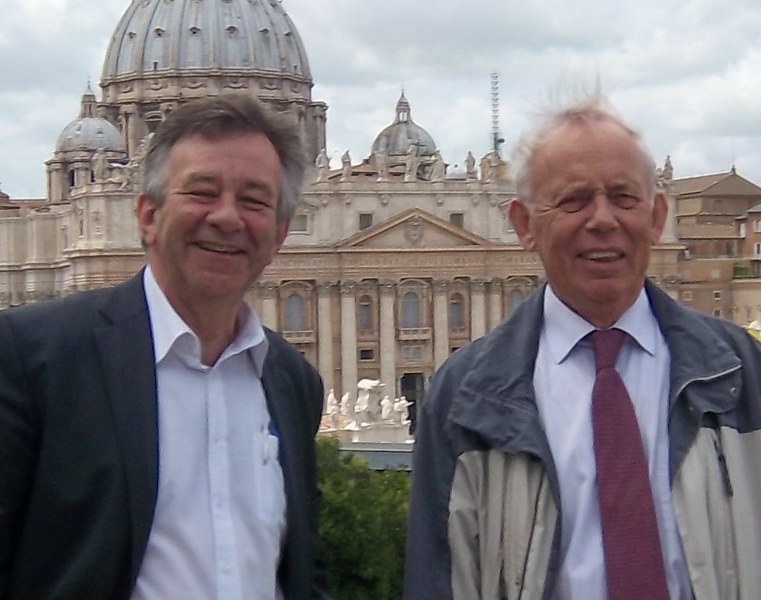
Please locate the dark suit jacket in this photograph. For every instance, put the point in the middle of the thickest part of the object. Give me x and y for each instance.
(79, 448)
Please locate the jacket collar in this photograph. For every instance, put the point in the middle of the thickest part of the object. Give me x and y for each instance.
(496, 399)
(698, 354)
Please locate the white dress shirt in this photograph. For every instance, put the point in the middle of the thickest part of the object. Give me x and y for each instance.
(563, 379)
(220, 512)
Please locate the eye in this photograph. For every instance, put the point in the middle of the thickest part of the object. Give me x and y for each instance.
(573, 202)
(256, 198)
(253, 203)
(624, 200)
(201, 194)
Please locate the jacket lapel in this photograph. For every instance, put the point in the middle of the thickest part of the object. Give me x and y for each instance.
(127, 359)
(280, 409)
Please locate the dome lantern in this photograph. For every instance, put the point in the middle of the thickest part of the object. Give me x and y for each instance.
(396, 139)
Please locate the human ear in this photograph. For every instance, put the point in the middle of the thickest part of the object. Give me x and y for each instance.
(145, 210)
(520, 216)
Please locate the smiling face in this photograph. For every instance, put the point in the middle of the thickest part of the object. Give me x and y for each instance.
(591, 220)
(217, 227)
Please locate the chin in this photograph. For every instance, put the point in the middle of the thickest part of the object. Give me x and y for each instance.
(219, 287)
(612, 293)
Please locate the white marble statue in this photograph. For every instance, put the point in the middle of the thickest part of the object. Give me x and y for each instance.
(401, 408)
(439, 168)
(485, 169)
(381, 165)
(100, 165)
(332, 409)
(322, 162)
(362, 407)
(387, 408)
(470, 166)
(411, 164)
(345, 166)
(344, 410)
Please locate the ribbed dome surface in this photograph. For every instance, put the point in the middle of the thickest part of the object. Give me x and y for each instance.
(204, 35)
(89, 131)
(397, 138)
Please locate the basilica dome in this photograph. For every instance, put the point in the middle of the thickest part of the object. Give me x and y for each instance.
(397, 138)
(156, 36)
(89, 131)
(166, 52)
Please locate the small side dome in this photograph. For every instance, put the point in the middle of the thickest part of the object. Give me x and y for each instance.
(396, 139)
(457, 172)
(89, 131)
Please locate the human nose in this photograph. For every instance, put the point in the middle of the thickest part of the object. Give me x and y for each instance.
(602, 216)
(225, 213)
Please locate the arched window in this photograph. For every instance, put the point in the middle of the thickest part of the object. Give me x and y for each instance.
(410, 310)
(514, 299)
(294, 313)
(455, 312)
(72, 178)
(365, 320)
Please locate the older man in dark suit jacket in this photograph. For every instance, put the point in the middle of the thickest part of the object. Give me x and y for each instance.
(155, 440)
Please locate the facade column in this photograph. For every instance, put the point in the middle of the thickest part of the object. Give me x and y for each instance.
(477, 309)
(440, 322)
(325, 334)
(55, 181)
(131, 128)
(387, 332)
(269, 304)
(495, 303)
(349, 342)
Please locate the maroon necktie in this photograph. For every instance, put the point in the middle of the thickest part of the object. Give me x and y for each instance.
(633, 558)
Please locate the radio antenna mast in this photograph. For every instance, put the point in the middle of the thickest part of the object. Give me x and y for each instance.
(497, 141)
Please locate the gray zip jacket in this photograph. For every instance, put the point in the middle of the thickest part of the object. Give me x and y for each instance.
(485, 510)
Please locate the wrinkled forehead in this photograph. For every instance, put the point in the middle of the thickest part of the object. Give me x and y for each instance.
(586, 146)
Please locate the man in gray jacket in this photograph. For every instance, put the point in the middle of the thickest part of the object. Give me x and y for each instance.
(517, 492)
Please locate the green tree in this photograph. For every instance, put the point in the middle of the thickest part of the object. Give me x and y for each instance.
(363, 525)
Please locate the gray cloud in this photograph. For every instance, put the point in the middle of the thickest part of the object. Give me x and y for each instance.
(688, 75)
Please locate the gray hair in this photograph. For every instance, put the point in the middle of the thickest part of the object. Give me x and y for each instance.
(593, 107)
(219, 117)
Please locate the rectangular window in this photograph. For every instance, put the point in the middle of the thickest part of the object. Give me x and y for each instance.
(366, 354)
(717, 295)
(757, 249)
(365, 220)
(457, 219)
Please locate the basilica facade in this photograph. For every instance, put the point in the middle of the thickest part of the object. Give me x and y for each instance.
(393, 260)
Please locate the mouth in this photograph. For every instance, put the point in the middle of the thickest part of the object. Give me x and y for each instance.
(219, 248)
(602, 256)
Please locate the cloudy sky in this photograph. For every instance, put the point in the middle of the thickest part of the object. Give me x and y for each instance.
(687, 74)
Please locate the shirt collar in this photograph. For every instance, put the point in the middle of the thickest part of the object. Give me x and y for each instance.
(169, 329)
(564, 328)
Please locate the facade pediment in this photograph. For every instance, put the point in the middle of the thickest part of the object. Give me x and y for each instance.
(413, 228)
